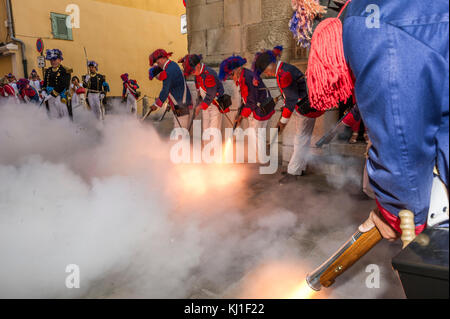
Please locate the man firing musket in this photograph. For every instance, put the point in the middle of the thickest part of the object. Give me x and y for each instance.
(174, 87)
(257, 103)
(158, 73)
(213, 102)
(292, 85)
(403, 102)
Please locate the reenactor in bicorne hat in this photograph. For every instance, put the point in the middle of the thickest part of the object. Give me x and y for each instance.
(56, 85)
(96, 86)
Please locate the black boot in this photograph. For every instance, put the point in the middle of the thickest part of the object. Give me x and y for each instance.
(287, 179)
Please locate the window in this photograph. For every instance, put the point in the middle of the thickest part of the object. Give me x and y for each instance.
(59, 26)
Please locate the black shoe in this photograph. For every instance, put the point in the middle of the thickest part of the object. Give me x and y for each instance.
(284, 173)
(287, 179)
(346, 134)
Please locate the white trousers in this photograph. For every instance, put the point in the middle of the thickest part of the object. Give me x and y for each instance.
(304, 127)
(57, 109)
(131, 103)
(212, 118)
(78, 100)
(184, 120)
(259, 135)
(96, 105)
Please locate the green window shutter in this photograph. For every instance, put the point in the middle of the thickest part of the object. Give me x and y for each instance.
(59, 26)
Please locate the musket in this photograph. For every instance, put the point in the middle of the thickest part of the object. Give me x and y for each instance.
(43, 100)
(162, 117)
(193, 114)
(164, 114)
(362, 242)
(220, 107)
(355, 248)
(168, 108)
(87, 60)
(150, 111)
(227, 117)
(69, 107)
(176, 118)
(276, 100)
(88, 72)
(328, 137)
(238, 115)
(143, 98)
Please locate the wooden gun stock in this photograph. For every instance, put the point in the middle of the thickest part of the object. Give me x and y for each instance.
(355, 248)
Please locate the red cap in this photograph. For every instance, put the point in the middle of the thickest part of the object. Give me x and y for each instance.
(158, 54)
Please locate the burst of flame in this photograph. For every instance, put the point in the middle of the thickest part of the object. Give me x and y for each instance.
(303, 291)
(276, 280)
(227, 149)
(199, 180)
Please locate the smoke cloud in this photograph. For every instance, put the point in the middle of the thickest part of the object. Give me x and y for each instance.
(105, 197)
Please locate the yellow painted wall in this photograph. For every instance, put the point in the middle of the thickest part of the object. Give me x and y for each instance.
(119, 35)
(5, 65)
(3, 17)
(161, 6)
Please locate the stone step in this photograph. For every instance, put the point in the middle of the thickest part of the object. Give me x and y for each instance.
(342, 163)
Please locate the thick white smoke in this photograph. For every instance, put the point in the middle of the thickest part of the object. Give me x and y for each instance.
(106, 198)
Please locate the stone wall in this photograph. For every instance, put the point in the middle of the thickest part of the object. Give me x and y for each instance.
(220, 28)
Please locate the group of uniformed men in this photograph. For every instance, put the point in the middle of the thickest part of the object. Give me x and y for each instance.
(399, 74)
(61, 93)
(400, 81)
(257, 104)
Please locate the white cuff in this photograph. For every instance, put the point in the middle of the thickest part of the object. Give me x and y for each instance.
(284, 120)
